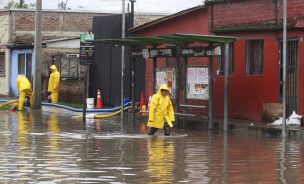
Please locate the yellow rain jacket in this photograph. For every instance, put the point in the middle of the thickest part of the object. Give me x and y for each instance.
(54, 81)
(161, 109)
(23, 83)
(24, 89)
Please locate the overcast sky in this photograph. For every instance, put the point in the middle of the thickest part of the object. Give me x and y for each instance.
(157, 6)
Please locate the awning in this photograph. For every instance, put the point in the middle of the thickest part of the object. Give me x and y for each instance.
(176, 39)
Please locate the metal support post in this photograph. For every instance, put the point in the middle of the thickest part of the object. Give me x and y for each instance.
(177, 82)
(284, 66)
(154, 73)
(226, 81)
(38, 57)
(84, 108)
(185, 87)
(210, 101)
(133, 89)
(122, 65)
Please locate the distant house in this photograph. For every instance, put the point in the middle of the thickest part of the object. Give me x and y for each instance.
(60, 34)
(17, 38)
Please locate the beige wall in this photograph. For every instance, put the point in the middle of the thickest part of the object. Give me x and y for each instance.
(4, 38)
(4, 80)
(4, 26)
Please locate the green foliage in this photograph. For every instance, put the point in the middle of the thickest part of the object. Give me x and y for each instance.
(5, 108)
(12, 5)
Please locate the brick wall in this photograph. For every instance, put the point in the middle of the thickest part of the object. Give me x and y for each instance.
(71, 91)
(251, 13)
(54, 25)
(59, 24)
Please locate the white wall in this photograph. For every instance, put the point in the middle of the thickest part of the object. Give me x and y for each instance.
(4, 38)
(4, 81)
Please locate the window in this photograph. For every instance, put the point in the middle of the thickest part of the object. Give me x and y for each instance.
(2, 64)
(221, 60)
(29, 66)
(68, 66)
(254, 57)
(25, 65)
(21, 64)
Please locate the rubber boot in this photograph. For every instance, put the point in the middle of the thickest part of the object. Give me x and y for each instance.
(152, 130)
(167, 129)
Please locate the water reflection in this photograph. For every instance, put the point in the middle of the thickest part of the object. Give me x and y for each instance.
(282, 168)
(33, 149)
(53, 139)
(160, 160)
(225, 158)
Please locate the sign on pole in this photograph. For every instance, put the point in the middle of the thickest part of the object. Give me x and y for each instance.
(87, 48)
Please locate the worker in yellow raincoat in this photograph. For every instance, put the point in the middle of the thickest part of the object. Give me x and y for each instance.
(161, 113)
(54, 84)
(24, 89)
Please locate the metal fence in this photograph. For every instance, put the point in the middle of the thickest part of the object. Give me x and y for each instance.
(105, 73)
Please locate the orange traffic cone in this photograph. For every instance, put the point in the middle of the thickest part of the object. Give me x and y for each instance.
(99, 101)
(142, 102)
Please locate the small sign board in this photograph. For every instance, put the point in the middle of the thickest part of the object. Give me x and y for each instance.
(87, 48)
(202, 51)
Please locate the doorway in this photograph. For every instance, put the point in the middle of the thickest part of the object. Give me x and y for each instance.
(291, 75)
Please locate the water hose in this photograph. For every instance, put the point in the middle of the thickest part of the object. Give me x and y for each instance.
(8, 103)
(105, 115)
(77, 109)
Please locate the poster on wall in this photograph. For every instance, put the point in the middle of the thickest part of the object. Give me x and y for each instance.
(197, 83)
(166, 76)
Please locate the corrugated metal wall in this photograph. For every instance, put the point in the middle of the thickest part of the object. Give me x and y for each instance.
(105, 74)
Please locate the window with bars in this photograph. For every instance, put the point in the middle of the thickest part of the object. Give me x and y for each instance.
(221, 60)
(68, 66)
(254, 57)
(2, 64)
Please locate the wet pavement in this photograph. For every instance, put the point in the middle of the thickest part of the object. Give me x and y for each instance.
(50, 147)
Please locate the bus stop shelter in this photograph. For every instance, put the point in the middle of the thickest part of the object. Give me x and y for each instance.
(179, 46)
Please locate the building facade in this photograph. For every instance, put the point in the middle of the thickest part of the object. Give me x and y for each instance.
(255, 80)
(17, 30)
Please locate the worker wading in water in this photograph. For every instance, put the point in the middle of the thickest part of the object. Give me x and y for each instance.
(54, 84)
(161, 113)
(24, 89)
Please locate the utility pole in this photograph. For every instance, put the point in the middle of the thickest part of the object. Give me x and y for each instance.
(132, 12)
(123, 34)
(38, 58)
(284, 66)
(21, 3)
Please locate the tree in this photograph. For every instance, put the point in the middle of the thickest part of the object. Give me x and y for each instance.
(63, 5)
(11, 5)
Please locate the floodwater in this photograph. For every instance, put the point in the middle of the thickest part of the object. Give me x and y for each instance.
(44, 147)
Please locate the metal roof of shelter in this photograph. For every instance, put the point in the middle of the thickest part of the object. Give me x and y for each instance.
(175, 39)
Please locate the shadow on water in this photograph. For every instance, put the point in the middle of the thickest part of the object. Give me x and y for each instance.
(44, 147)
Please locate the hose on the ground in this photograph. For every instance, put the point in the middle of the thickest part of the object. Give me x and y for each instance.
(78, 109)
(8, 103)
(104, 115)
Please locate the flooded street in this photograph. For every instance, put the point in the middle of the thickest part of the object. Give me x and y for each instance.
(44, 147)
